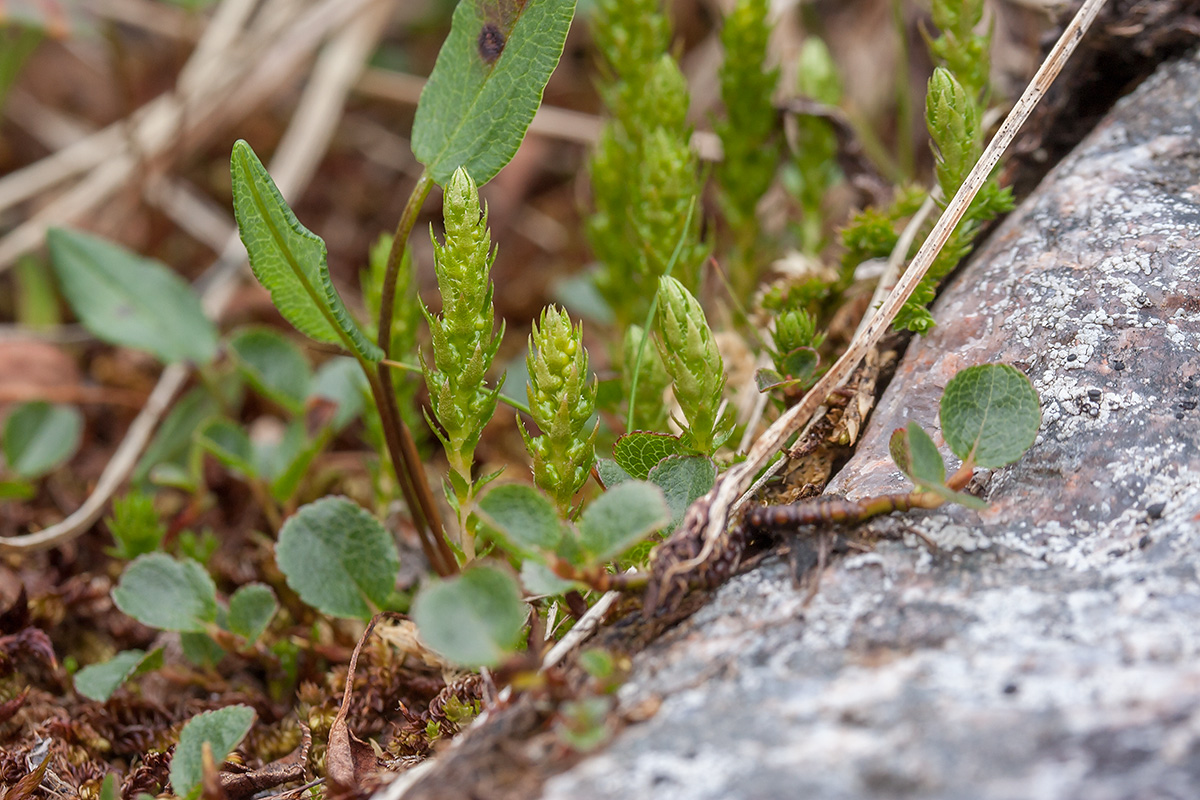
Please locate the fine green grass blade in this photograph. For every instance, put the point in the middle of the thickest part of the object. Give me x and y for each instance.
(289, 259)
(487, 84)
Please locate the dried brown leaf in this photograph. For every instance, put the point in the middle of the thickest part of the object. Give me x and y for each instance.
(28, 785)
(16, 616)
(32, 642)
(350, 763)
(290, 768)
(11, 707)
(210, 782)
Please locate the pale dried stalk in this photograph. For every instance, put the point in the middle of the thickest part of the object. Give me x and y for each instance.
(297, 155)
(733, 484)
(68, 162)
(189, 208)
(163, 123)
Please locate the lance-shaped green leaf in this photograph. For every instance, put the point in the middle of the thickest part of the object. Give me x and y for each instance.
(230, 445)
(917, 456)
(99, 681)
(289, 259)
(487, 84)
(991, 414)
(129, 300)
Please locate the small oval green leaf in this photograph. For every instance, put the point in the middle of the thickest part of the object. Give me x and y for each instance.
(522, 518)
(639, 451)
(620, 518)
(289, 259)
(683, 479)
(990, 412)
(39, 436)
(223, 729)
(131, 301)
(917, 456)
(487, 84)
(611, 472)
(273, 365)
(250, 610)
(338, 558)
(475, 619)
(163, 593)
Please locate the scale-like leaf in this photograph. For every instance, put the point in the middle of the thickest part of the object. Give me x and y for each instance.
(222, 729)
(273, 365)
(990, 413)
(338, 558)
(99, 681)
(620, 518)
(39, 436)
(639, 452)
(474, 619)
(487, 84)
(522, 518)
(131, 301)
(289, 259)
(163, 593)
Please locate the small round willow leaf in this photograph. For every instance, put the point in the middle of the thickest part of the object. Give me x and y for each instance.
(475, 619)
(990, 413)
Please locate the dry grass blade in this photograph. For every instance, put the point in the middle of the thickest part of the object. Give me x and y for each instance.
(730, 488)
(164, 124)
(298, 153)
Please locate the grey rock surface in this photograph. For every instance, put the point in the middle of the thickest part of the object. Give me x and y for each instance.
(1051, 647)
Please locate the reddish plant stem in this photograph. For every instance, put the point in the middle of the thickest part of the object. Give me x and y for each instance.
(402, 450)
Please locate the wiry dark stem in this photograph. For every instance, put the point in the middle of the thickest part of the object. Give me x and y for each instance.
(402, 450)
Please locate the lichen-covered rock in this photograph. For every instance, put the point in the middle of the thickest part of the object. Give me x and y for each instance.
(1051, 647)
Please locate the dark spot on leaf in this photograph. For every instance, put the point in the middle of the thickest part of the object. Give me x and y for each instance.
(491, 43)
